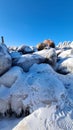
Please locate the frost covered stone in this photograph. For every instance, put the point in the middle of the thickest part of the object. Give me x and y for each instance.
(10, 76)
(5, 59)
(65, 66)
(66, 53)
(26, 49)
(39, 88)
(44, 56)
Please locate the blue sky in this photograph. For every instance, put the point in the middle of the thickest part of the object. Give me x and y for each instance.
(32, 21)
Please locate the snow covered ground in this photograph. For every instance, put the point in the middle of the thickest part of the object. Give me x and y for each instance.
(44, 93)
(8, 123)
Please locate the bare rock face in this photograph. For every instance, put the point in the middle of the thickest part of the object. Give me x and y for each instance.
(5, 59)
(50, 43)
(46, 44)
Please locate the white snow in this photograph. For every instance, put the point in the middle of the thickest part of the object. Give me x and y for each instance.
(8, 123)
(47, 94)
(48, 118)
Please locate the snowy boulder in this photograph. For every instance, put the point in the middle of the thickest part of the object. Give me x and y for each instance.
(12, 48)
(16, 101)
(39, 88)
(59, 51)
(71, 45)
(26, 49)
(65, 45)
(54, 89)
(47, 118)
(65, 66)
(4, 100)
(6, 97)
(10, 76)
(15, 55)
(44, 56)
(5, 59)
(66, 53)
(49, 55)
(4, 107)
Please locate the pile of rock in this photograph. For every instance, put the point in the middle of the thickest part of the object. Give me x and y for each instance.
(30, 79)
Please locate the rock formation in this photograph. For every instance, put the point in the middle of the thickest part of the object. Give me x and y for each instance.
(38, 83)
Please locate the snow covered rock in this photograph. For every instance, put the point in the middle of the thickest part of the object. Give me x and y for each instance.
(38, 88)
(15, 55)
(12, 48)
(10, 76)
(44, 56)
(66, 53)
(26, 49)
(64, 62)
(4, 100)
(65, 45)
(5, 59)
(49, 55)
(65, 66)
(29, 91)
(48, 118)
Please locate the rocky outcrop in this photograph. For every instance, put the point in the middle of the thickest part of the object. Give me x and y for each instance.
(40, 81)
(28, 90)
(45, 45)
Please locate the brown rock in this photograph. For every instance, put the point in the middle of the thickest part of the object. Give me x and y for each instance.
(49, 43)
(46, 44)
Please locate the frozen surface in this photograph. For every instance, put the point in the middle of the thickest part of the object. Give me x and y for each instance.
(42, 92)
(8, 123)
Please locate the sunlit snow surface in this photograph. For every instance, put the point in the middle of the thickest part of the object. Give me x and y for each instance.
(48, 94)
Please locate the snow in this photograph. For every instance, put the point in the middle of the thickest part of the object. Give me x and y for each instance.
(44, 88)
(48, 118)
(41, 92)
(65, 66)
(10, 76)
(8, 123)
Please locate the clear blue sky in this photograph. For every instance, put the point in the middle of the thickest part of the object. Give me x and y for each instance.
(32, 21)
